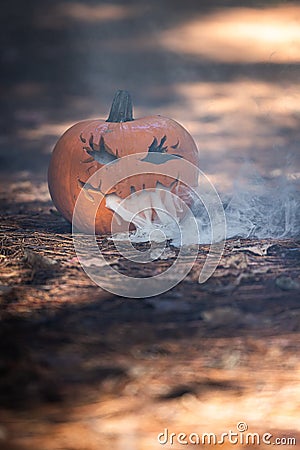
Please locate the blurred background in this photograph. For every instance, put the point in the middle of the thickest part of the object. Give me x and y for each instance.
(227, 70)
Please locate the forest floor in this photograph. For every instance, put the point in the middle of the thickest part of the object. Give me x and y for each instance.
(83, 369)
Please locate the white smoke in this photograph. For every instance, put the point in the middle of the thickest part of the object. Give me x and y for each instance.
(258, 207)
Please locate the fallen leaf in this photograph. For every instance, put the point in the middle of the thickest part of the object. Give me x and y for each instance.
(223, 315)
(260, 250)
(286, 283)
(238, 261)
(99, 262)
(37, 261)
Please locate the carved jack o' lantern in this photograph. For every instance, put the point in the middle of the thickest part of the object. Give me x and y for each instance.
(91, 144)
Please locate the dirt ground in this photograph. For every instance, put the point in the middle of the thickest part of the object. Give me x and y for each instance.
(80, 368)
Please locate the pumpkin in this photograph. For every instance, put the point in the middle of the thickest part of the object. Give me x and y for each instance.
(93, 144)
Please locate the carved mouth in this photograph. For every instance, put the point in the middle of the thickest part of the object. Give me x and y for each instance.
(89, 189)
(144, 207)
(148, 209)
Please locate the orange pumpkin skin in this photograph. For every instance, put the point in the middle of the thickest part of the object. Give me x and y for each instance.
(71, 163)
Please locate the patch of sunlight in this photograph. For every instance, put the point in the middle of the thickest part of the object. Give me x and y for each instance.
(293, 176)
(96, 13)
(252, 97)
(221, 180)
(46, 129)
(241, 108)
(240, 35)
(58, 15)
(28, 89)
(262, 409)
(248, 120)
(25, 191)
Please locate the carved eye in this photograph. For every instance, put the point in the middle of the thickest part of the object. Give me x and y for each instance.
(157, 153)
(101, 152)
(158, 148)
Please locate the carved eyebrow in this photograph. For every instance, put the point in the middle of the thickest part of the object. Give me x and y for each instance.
(175, 145)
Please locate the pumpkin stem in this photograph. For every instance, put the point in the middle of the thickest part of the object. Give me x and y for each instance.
(121, 108)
